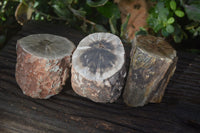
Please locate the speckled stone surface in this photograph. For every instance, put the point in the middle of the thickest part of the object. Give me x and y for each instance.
(104, 91)
(41, 77)
(153, 62)
(98, 68)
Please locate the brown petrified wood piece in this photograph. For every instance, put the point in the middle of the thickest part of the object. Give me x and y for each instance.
(43, 64)
(153, 62)
(98, 67)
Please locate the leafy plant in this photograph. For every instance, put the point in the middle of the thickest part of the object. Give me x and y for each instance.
(86, 15)
(7, 20)
(170, 18)
(142, 31)
(192, 9)
(89, 15)
(177, 19)
(163, 19)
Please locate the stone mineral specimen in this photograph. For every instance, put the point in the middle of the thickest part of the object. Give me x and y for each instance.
(98, 67)
(43, 64)
(153, 62)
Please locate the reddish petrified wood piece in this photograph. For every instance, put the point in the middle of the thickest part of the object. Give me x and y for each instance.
(153, 62)
(43, 64)
(98, 67)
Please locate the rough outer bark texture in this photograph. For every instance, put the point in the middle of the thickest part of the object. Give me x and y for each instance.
(153, 62)
(98, 68)
(104, 91)
(41, 77)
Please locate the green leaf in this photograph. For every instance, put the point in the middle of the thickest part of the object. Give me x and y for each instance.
(98, 3)
(193, 10)
(164, 33)
(99, 28)
(37, 16)
(162, 17)
(78, 13)
(163, 14)
(150, 20)
(109, 9)
(23, 13)
(179, 13)
(142, 31)
(157, 27)
(3, 18)
(195, 33)
(124, 26)
(113, 23)
(170, 20)
(178, 34)
(177, 38)
(173, 5)
(36, 4)
(63, 13)
(170, 29)
(159, 6)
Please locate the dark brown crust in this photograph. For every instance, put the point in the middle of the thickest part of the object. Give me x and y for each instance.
(159, 92)
(148, 75)
(40, 77)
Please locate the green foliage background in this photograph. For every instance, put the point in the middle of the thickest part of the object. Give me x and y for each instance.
(176, 19)
(86, 15)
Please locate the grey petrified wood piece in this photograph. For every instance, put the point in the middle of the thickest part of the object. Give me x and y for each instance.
(98, 67)
(43, 64)
(153, 62)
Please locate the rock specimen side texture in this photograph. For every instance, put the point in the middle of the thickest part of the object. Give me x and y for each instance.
(153, 62)
(98, 67)
(43, 64)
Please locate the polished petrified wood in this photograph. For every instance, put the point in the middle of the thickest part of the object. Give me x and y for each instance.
(98, 67)
(43, 64)
(153, 62)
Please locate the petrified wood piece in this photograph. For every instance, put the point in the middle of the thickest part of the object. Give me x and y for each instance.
(98, 67)
(43, 64)
(153, 62)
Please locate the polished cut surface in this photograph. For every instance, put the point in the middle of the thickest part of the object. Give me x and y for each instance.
(98, 67)
(99, 56)
(47, 45)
